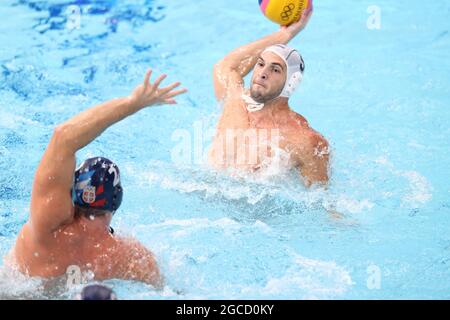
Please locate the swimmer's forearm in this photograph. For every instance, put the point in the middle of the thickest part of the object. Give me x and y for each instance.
(243, 59)
(82, 129)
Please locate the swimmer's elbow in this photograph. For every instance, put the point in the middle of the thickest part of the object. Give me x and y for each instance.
(66, 137)
(62, 136)
(222, 65)
(225, 67)
(221, 75)
(219, 68)
(60, 133)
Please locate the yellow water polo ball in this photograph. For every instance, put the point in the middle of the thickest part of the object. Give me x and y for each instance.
(284, 12)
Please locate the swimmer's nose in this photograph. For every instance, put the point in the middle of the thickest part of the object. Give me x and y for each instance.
(263, 75)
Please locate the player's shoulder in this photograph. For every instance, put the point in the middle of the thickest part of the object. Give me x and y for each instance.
(298, 120)
(303, 133)
(297, 125)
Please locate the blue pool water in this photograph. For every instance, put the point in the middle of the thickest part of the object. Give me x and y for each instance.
(380, 96)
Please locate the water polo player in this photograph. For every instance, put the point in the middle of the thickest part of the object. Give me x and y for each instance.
(71, 209)
(257, 123)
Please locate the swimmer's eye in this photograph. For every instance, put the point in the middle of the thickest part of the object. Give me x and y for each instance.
(277, 70)
(260, 64)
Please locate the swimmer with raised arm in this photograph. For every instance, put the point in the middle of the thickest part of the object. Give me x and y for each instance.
(254, 118)
(71, 208)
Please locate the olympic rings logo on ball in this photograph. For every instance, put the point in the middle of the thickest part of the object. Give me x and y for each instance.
(284, 12)
(287, 12)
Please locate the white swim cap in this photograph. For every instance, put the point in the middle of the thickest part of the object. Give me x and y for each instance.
(295, 67)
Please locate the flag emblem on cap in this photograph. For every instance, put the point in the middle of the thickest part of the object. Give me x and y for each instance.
(89, 194)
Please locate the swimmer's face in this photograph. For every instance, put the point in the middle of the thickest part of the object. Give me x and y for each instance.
(269, 77)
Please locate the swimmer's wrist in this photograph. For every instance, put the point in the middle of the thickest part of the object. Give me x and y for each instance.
(284, 36)
(132, 102)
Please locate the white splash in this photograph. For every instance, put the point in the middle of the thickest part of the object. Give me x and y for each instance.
(346, 204)
(420, 190)
(306, 279)
(16, 285)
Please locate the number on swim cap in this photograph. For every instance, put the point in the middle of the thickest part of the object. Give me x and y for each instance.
(284, 12)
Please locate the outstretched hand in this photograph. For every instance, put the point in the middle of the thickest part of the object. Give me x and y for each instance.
(294, 28)
(147, 94)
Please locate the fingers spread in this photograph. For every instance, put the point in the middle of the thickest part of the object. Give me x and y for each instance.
(159, 80)
(170, 101)
(175, 93)
(169, 88)
(147, 77)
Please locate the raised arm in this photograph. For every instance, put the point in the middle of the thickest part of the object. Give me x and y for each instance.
(51, 202)
(230, 71)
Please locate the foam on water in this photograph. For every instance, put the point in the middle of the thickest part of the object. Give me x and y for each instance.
(307, 279)
(262, 236)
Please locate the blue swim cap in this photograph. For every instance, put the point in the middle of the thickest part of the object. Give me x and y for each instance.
(97, 292)
(97, 185)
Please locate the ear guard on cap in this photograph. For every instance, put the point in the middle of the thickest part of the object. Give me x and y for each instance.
(294, 64)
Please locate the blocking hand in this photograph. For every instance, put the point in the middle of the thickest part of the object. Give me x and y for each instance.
(147, 94)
